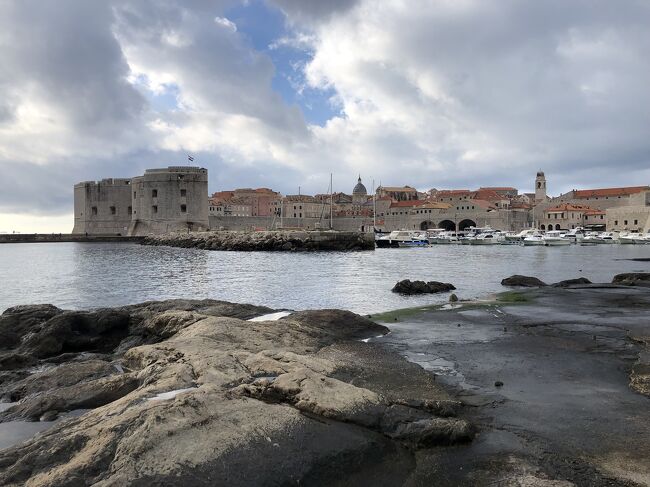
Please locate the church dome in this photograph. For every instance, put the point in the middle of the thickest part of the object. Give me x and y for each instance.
(359, 189)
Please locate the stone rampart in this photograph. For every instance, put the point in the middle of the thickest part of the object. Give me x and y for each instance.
(300, 240)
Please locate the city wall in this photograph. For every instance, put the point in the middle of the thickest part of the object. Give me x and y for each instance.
(348, 224)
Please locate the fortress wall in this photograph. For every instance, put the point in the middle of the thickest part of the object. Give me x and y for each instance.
(347, 224)
(103, 207)
(170, 200)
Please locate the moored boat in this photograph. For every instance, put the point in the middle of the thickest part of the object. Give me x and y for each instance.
(555, 238)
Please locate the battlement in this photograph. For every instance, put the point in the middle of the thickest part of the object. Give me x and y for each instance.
(178, 169)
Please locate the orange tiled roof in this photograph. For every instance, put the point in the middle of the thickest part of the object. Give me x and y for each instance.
(593, 211)
(569, 207)
(597, 193)
(407, 204)
(497, 188)
(397, 189)
(451, 192)
(487, 195)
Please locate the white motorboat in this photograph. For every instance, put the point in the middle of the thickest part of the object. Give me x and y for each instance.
(575, 235)
(642, 239)
(433, 234)
(555, 238)
(534, 240)
(591, 238)
(629, 238)
(402, 238)
(447, 238)
(487, 238)
(607, 238)
(519, 237)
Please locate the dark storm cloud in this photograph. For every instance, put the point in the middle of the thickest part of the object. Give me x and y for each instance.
(64, 53)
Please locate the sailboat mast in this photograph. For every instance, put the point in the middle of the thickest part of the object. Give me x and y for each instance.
(331, 195)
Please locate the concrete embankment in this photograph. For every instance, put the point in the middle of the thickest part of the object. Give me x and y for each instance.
(268, 241)
(63, 237)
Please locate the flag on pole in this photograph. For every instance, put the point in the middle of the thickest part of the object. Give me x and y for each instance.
(190, 158)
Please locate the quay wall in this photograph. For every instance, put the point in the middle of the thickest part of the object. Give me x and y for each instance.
(63, 237)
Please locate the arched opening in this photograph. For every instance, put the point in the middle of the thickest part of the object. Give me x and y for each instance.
(465, 224)
(542, 227)
(426, 225)
(447, 225)
(557, 227)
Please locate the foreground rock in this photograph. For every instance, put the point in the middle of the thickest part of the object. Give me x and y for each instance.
(187, 392)
(572, 282)
(632, 279)
(409, 287)
(267, 240)
(522, 281)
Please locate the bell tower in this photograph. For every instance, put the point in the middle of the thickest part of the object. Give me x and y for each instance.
(540, 187)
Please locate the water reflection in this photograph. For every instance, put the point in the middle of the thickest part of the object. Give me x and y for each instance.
(90, 275)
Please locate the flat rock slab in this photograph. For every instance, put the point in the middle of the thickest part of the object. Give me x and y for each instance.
(189, 392)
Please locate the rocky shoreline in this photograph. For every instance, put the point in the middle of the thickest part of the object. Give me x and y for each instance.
(191, 392)
(554, 380)
(285, 240)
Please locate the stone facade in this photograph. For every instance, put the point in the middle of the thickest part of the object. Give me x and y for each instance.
(102, 207)
(628, 218)
(162, 200)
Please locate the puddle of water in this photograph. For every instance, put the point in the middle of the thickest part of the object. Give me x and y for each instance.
(271, 316)
(15, 432)
(164, 396)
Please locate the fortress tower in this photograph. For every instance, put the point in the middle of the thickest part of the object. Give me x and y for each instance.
(540, 187)
(173, 199)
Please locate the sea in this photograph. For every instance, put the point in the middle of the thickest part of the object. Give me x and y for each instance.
(92, 275)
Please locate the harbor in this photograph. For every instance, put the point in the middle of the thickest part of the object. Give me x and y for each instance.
(526, 238)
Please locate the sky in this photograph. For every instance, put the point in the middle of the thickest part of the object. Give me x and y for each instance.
(281, 93)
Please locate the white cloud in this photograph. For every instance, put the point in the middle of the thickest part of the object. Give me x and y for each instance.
(426, 92)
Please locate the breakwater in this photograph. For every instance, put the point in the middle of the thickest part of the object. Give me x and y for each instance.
(267, 241)
(63, 237)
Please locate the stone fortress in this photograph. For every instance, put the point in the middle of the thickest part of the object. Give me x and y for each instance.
(164, 200)
(176, 199)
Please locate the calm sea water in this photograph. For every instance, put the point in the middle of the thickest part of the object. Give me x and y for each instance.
(84, 275)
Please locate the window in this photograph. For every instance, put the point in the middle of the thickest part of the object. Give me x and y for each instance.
(624, 222)
(183, 208)
(129, 210)
(113, 210)
(636, 222)
(183, 193)
(94, 210)
(154, 193)
(134, 194)
(154, 209)
(301, 215)
(615, 222)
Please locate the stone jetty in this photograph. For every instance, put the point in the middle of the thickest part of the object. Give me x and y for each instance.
(284, 240)
(188, 392)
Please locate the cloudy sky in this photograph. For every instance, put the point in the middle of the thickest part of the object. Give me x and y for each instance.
(279, 93)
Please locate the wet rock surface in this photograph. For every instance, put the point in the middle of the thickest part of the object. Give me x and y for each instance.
(572, 406)
(409, 287)
(283, 241)
(188, 392)
(632, 279)
(522, 281)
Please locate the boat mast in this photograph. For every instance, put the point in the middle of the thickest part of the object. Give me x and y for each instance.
(331, 193)
(374, 206)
